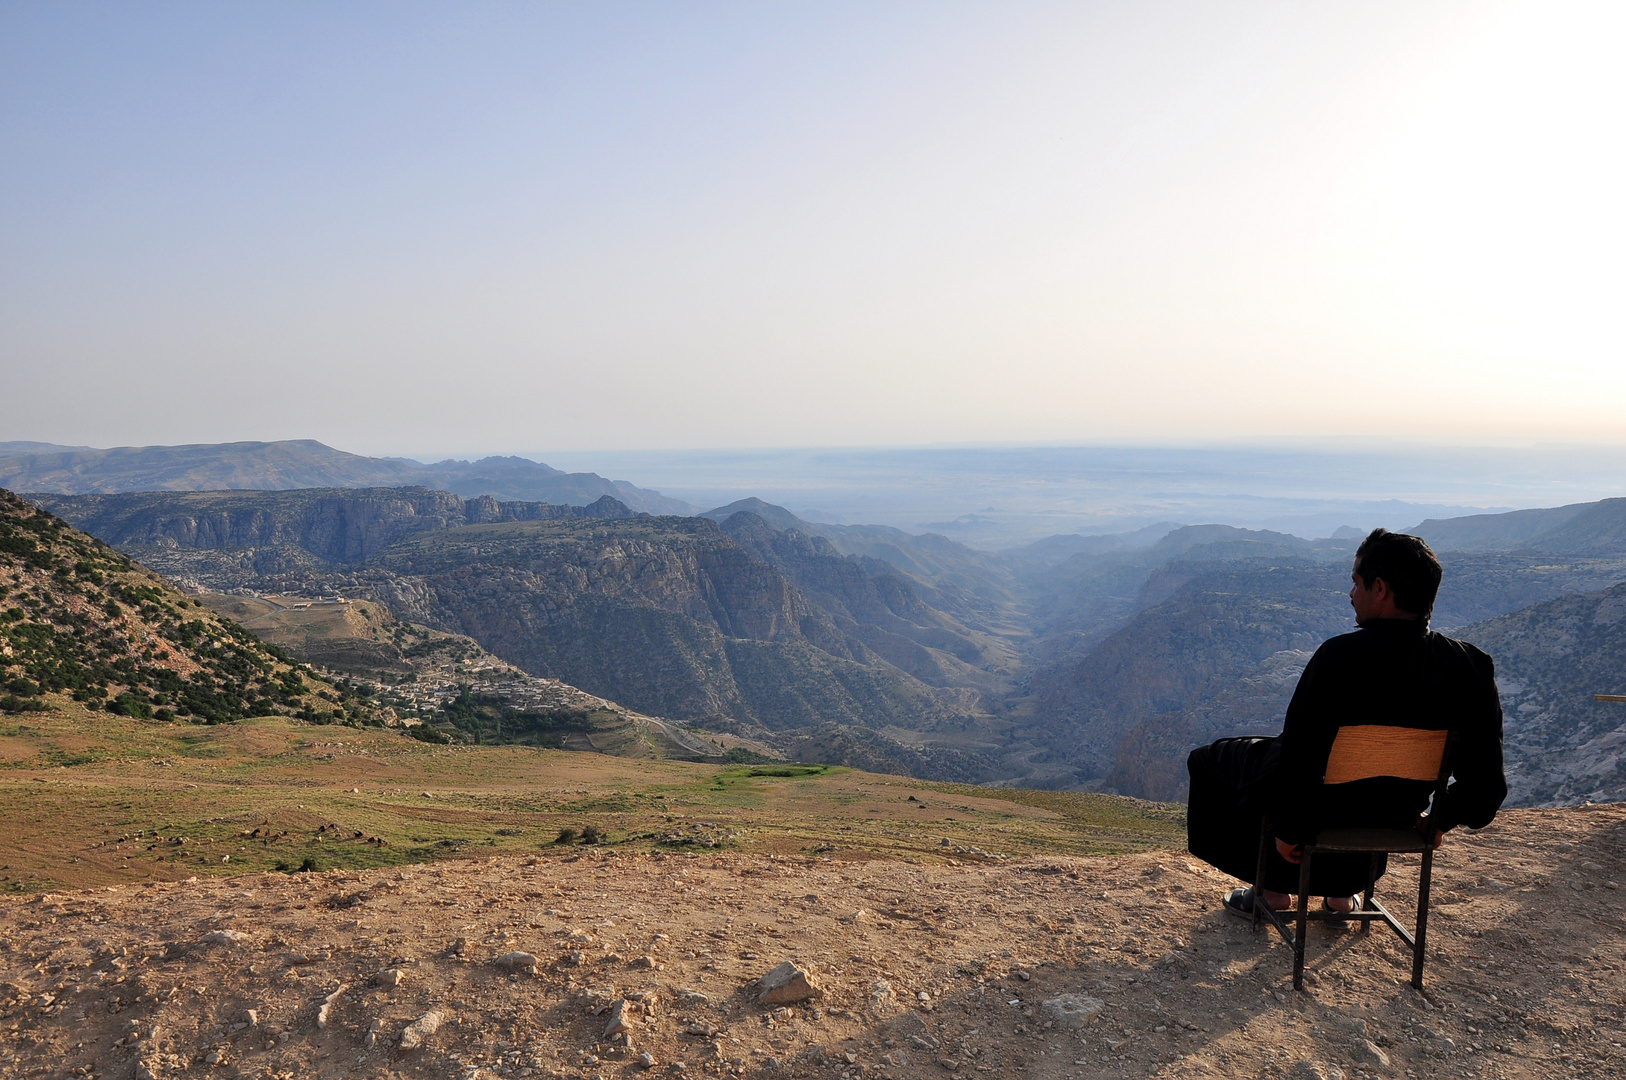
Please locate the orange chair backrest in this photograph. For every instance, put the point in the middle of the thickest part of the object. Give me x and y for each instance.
(1366, 750)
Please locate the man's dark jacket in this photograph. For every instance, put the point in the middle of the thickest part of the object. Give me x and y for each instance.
(1395, 672)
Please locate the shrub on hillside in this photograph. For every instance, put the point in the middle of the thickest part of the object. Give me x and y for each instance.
(127, 704)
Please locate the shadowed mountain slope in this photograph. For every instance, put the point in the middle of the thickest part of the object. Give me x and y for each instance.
(977, 588)
(1217, 628)
(1593, 529)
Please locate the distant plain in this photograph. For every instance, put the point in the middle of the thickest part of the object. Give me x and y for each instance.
(1003, 496)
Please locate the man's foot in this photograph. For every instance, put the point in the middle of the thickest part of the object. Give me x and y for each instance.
(1341, 905)
(1239, 902)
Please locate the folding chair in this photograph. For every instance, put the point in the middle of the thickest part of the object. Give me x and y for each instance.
(1359, 753)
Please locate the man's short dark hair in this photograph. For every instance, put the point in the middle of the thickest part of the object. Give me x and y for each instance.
(1407, 563)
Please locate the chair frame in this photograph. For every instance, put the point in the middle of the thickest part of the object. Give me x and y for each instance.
(1372, 842)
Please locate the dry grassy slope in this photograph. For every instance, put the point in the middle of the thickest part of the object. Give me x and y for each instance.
(89, 800)
(78, 618)
(927, 970)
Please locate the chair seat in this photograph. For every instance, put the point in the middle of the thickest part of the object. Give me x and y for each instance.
(1370, 840)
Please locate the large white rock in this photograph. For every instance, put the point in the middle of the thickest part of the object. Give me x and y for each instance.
(619, 1021)
(1072, 1010)
(786, 985)
(516, 961)
(421, 1028)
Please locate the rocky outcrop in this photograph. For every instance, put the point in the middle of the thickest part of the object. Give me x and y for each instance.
(1562, 745)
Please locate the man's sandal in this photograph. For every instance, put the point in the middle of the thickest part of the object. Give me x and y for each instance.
(1239, 902)
(1336, 916)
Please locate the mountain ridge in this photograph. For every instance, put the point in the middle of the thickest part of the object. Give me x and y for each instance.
(301, 463)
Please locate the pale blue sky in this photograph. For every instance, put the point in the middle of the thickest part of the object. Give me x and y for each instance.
(407, 228)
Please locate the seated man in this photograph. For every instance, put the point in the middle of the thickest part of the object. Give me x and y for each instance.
(1393, 671)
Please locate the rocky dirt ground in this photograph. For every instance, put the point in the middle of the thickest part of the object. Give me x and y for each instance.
(604, 964)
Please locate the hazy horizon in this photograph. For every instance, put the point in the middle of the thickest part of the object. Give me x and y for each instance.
(1001, 496)
(843, 224)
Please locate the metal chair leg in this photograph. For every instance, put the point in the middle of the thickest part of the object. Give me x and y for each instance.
(1371, 890)
(1304, 918)
(1259, 872)
(1422, 919)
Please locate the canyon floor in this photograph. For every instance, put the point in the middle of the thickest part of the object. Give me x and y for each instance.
(931, 926)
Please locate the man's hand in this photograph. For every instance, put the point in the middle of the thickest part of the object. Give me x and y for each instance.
(1436, 837)
(1294, 853)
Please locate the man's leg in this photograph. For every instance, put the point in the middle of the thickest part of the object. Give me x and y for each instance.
(1221, 828)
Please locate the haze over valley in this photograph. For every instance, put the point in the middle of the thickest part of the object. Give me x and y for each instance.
(1080, 660)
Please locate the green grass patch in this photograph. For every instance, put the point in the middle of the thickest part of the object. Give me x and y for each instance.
(1144, 825)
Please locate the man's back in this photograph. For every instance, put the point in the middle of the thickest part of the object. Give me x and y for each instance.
(1399, 673)
(1393, 671)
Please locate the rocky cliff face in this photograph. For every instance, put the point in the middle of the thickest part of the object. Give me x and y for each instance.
(667, 615)
(337, 525)
(870, 601)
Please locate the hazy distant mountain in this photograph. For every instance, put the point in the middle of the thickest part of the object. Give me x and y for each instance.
(1054, 550)
(1077, 602)
(1579, 528)
(302, 463)
(777, 516)
(522, 479)
(198, 467)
